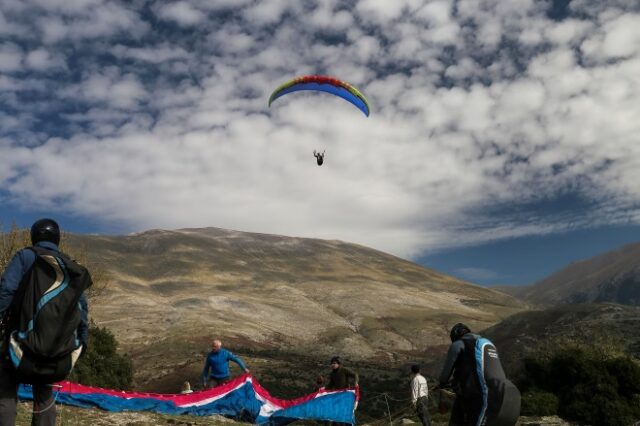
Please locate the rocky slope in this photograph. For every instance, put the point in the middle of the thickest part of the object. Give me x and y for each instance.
(610, 277)
(171, 292)
(604, 323)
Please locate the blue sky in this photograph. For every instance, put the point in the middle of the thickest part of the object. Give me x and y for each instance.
(526, 260)
(502, 142)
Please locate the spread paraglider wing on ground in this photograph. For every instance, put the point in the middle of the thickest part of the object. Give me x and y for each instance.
(242, 398)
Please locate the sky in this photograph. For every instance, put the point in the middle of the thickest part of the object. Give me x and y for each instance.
(503, 140)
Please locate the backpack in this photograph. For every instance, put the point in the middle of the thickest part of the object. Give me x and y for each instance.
(501, 398)
(41, 336)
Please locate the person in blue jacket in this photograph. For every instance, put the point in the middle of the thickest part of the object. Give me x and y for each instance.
(216, 367)
(45, 233)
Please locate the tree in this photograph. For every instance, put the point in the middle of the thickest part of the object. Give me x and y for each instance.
(11, 242)
(594, 384)
(101, 365)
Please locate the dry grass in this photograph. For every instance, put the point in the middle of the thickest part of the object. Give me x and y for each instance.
(72, 416)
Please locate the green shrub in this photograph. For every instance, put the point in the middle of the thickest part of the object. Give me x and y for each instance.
(627, 374)
(101, 365)
(539, 403)
(600, 410)
(583, 386)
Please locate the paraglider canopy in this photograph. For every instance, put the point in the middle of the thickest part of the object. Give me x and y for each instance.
(322, 83)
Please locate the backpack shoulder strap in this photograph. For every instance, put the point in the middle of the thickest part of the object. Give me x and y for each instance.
(17, 296)
(13, 312)
(25, 281)
(39, 251)
(78, 272)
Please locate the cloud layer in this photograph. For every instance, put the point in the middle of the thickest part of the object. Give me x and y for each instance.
(154, 115)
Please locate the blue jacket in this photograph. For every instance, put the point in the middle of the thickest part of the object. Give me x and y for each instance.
(217, 364)
(20, 265)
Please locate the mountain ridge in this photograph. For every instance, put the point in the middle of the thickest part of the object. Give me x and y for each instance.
(181, 288)
(613, 276)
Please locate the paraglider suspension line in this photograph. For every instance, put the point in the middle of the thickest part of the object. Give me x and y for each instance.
(388, 409)
(52, 402)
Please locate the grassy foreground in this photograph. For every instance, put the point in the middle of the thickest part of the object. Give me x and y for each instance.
(72, 416)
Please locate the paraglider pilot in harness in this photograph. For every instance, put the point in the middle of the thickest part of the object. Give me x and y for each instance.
(45, 322)
(319, 157)
(484, 395)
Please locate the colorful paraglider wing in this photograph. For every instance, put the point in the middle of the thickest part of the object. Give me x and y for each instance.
(323, 84)
(242, 398)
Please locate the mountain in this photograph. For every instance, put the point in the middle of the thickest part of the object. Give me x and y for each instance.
(590, 323)
(610, 277)
(171, 292)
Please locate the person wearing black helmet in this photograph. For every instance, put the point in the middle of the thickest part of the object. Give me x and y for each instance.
(45, 237)
(484, 396)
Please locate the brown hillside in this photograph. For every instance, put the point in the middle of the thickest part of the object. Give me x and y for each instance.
(611, 277)
(589, 323)
(170, 292)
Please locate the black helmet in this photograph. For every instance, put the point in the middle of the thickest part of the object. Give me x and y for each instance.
(45, 230)
(458, 330)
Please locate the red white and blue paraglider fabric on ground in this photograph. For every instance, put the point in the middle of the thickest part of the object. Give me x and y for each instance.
(242, 398)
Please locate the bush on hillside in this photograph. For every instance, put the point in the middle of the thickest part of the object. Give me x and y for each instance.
(588, 387)
(539, 403)
(101, 365)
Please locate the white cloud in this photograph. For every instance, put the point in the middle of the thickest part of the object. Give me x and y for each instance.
(67, 6)
(53, 29)
(384, 12)
(7, 27)
(119, 91)
(622, 37)
(569, 32)
(436, 13)
(11, 56)
(326, 18)
(474, 108)
(220, 5)
(81, 20)
(42, 59)
(269, 11)
(232, 40)
(107, 20)
(155, 54)
(182, 13)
